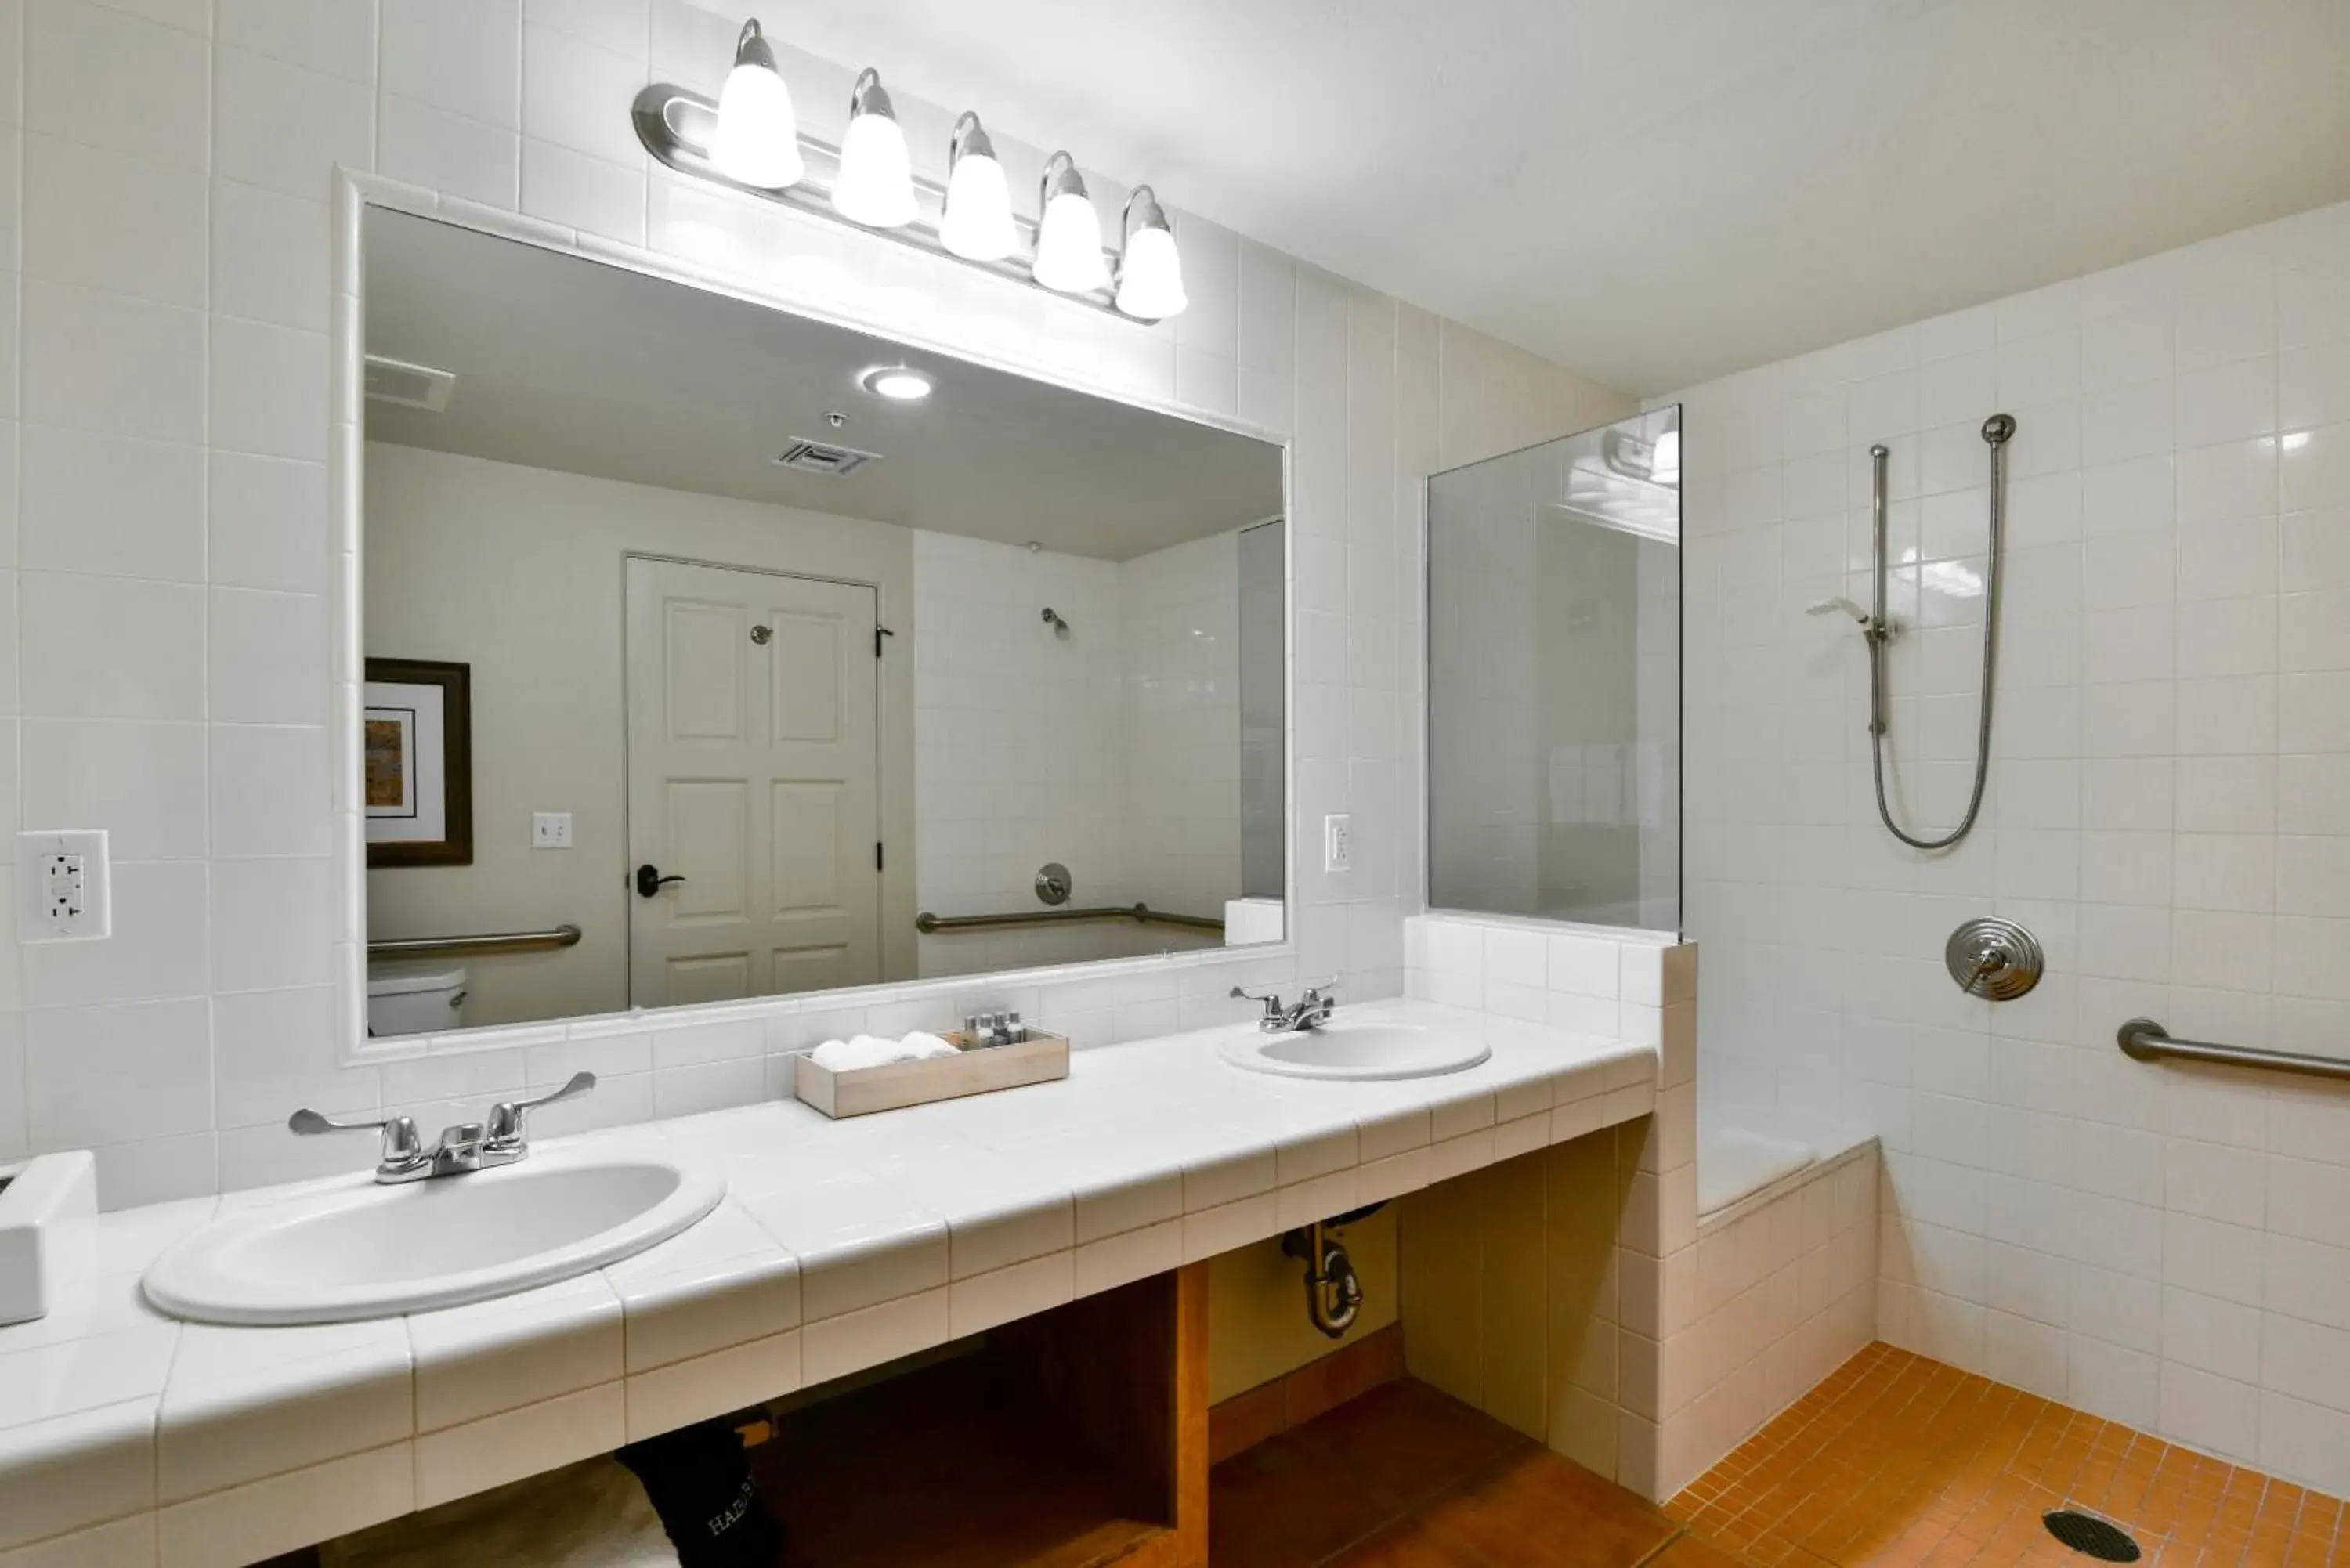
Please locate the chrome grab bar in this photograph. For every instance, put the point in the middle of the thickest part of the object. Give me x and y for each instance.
(1141, 914)
(564, 936)
(2144, 1040)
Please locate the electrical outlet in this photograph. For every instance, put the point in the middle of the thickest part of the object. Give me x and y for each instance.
(550, 830)
(1337, 843)
(64, 886)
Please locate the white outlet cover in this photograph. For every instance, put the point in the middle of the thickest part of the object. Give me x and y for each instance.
(550, 830)
(64, 886)
(1337, 843)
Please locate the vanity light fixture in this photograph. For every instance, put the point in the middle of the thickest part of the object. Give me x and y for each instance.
(1068, 232)
(757, 141)
(898, 383)
(1150, 270)
(876, 186)
(977, 224)
(748, 140)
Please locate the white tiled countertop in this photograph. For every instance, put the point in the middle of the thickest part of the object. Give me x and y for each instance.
(128, 1437)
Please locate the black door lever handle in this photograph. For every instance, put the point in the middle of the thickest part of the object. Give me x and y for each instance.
(651, 882)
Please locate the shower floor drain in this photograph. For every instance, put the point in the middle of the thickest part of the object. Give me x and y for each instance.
(2091, 1536)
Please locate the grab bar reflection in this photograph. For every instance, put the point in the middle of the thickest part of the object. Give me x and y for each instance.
(564, 936)
(1141, 914)
(2144, 1040)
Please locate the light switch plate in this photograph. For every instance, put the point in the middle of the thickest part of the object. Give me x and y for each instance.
(64, 886)
(550, 830)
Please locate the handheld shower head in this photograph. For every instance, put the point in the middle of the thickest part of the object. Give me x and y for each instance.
(1830, 606)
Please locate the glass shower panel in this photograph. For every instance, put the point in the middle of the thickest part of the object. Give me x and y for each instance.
(1554, 675)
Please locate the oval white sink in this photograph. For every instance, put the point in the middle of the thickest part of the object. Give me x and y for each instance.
(1345, 1049)
(380, 1251)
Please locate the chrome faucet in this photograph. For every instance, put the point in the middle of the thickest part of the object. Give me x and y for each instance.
(468, 1146)
(1311, 1011)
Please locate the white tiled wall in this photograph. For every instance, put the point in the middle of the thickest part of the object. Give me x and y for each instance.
(2169, 811)
(165, 296)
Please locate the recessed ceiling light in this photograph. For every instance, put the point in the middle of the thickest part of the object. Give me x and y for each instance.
(896, 383)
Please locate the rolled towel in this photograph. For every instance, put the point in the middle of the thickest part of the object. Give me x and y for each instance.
(873, 1050)
(846, 1055)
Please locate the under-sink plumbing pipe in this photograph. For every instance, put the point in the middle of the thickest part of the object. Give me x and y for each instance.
(1334, 1293)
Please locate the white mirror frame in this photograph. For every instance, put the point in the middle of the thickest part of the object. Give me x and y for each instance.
(355, 191)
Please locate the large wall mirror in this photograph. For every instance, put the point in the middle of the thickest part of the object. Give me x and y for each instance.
(714, 652)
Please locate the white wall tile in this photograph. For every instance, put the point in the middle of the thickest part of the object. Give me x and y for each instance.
(269, 256)
(462, 56)
(145, 781)
(568, 86)
(100, 75)
(271, 922)
(104, 220)
(111, 363)
(118, 1074)
(266, 658)
(568, 187)
(110, 647)
(428, 146)
(336, 37)
(267, 522)
(110, 506)
(279, 126)
(268, 389)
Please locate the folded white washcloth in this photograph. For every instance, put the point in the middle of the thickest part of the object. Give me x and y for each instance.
(846, 1055)
(872, 1050)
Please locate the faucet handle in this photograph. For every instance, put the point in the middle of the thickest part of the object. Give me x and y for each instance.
(1320, 989)
(508, 1116)
(401, 1146)
(1271, 999)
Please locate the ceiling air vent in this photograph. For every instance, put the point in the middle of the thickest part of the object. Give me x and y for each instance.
(821, 457)
(410, 385)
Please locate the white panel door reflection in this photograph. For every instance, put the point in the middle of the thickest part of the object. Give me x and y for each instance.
(753, 784)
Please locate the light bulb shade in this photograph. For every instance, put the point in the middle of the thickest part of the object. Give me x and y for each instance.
(977, 223)
(1068, 246)
(1151, 276)
(876, 187)
(757, 143)
(1068, 233)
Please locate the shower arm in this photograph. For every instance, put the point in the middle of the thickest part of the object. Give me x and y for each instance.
(1997, 431)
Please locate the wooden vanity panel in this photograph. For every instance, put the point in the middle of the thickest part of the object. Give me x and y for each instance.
(1128, 1370)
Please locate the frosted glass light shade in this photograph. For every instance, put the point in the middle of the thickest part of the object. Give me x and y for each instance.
(1068, 246)
(757, 142)
(1151, 276)
(977, 225)
(877, 177)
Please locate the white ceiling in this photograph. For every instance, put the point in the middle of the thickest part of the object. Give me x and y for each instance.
(566, 364)
(1660, 192)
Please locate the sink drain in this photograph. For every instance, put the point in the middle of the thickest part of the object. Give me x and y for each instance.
(2091, 1536)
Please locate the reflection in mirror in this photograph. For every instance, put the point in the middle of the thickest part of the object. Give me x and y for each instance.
(714, 652)
(1554, 675)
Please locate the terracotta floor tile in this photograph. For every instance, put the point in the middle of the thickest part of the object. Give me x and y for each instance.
(1895, 1462)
